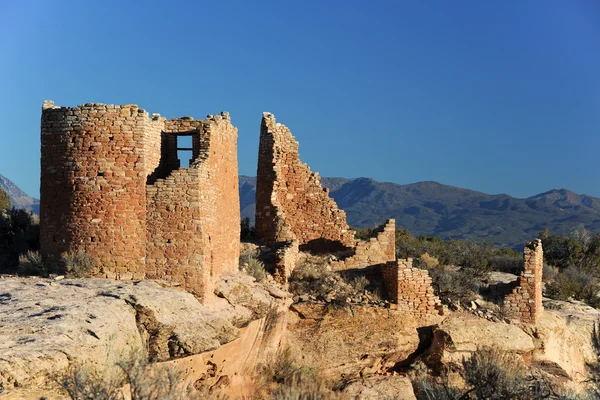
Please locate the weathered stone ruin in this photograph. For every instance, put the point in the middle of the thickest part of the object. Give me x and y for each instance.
(112, 186)
(525, 301)
(410, 288)
(291, 203)
(377, 250)
(295, 212)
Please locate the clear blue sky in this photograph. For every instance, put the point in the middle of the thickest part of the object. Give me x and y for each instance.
(496, 96)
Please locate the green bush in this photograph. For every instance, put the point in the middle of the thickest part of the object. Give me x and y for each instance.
(573, 282)
(4, 200)
(19, 233)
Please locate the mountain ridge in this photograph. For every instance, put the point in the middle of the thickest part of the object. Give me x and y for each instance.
(433, 209)
(430, 208)
(18, 198)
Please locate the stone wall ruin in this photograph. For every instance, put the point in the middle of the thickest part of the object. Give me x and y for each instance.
(410, 288)
(291, 203)
(112, 186)
(525, 301)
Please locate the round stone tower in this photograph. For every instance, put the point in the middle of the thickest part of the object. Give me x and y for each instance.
(93, 184)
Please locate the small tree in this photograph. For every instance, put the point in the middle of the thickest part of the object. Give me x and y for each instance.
(4, 200)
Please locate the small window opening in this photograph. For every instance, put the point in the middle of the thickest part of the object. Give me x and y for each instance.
(92, 239)
(184, 151)
(111, 138)
(169, 241)
(100, 173)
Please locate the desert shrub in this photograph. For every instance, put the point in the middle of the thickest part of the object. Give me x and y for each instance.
(4, 200)
(247, 231)
(77, 264)
(359, 284)
(31, 263)
(250, 263)
(507, 263)
(495, 374)
(19, 233)
(549, 273)
(85, 383)
(313, 276)
(490, 374)
(427, 262)
(574, 283)
(454, 285)
(281, 377)
(135, 380)
(256, 269)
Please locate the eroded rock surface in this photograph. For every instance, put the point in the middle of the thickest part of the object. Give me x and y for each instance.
(47, 325)
(461, 335)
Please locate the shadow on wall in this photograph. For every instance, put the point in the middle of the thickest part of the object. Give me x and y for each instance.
(324, 246)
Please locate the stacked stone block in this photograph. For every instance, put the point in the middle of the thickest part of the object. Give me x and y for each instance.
(286, 257)
(525, 301)
(410, 288)
(112, 187)
(377, 250)
(291, 203)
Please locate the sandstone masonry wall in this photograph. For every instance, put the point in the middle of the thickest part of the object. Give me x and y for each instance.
(410, 288)
(291, 203)
(525, 301)
(93, 179)
(112, 186)
(286, 257)
(377, 250)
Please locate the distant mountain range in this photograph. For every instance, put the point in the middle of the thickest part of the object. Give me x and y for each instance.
(430, 208)
(18, 198)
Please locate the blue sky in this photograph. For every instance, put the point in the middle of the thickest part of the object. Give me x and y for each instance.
(501, 97)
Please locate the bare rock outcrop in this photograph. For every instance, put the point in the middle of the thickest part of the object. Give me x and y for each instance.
(380, 387)
(459, 336)
(48, 326)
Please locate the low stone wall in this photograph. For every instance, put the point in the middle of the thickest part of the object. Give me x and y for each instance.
(377, 250)
(525, 301)
(286, 257)
(410, 288)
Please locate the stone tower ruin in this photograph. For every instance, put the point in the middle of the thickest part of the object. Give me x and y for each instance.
(112, 185)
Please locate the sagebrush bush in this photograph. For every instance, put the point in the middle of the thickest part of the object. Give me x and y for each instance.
(281, 377)
(256, 269)
(77, 264)
(454, 285)
(427, 262)
(250, 264)
(313, 276)
(31, 263)
(19, 233)
(574, 283)
(137, 380)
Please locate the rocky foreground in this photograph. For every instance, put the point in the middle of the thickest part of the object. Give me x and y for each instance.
(48, 326)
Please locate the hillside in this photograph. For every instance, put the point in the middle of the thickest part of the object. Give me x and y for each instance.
(18, 198)
(431, 208)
